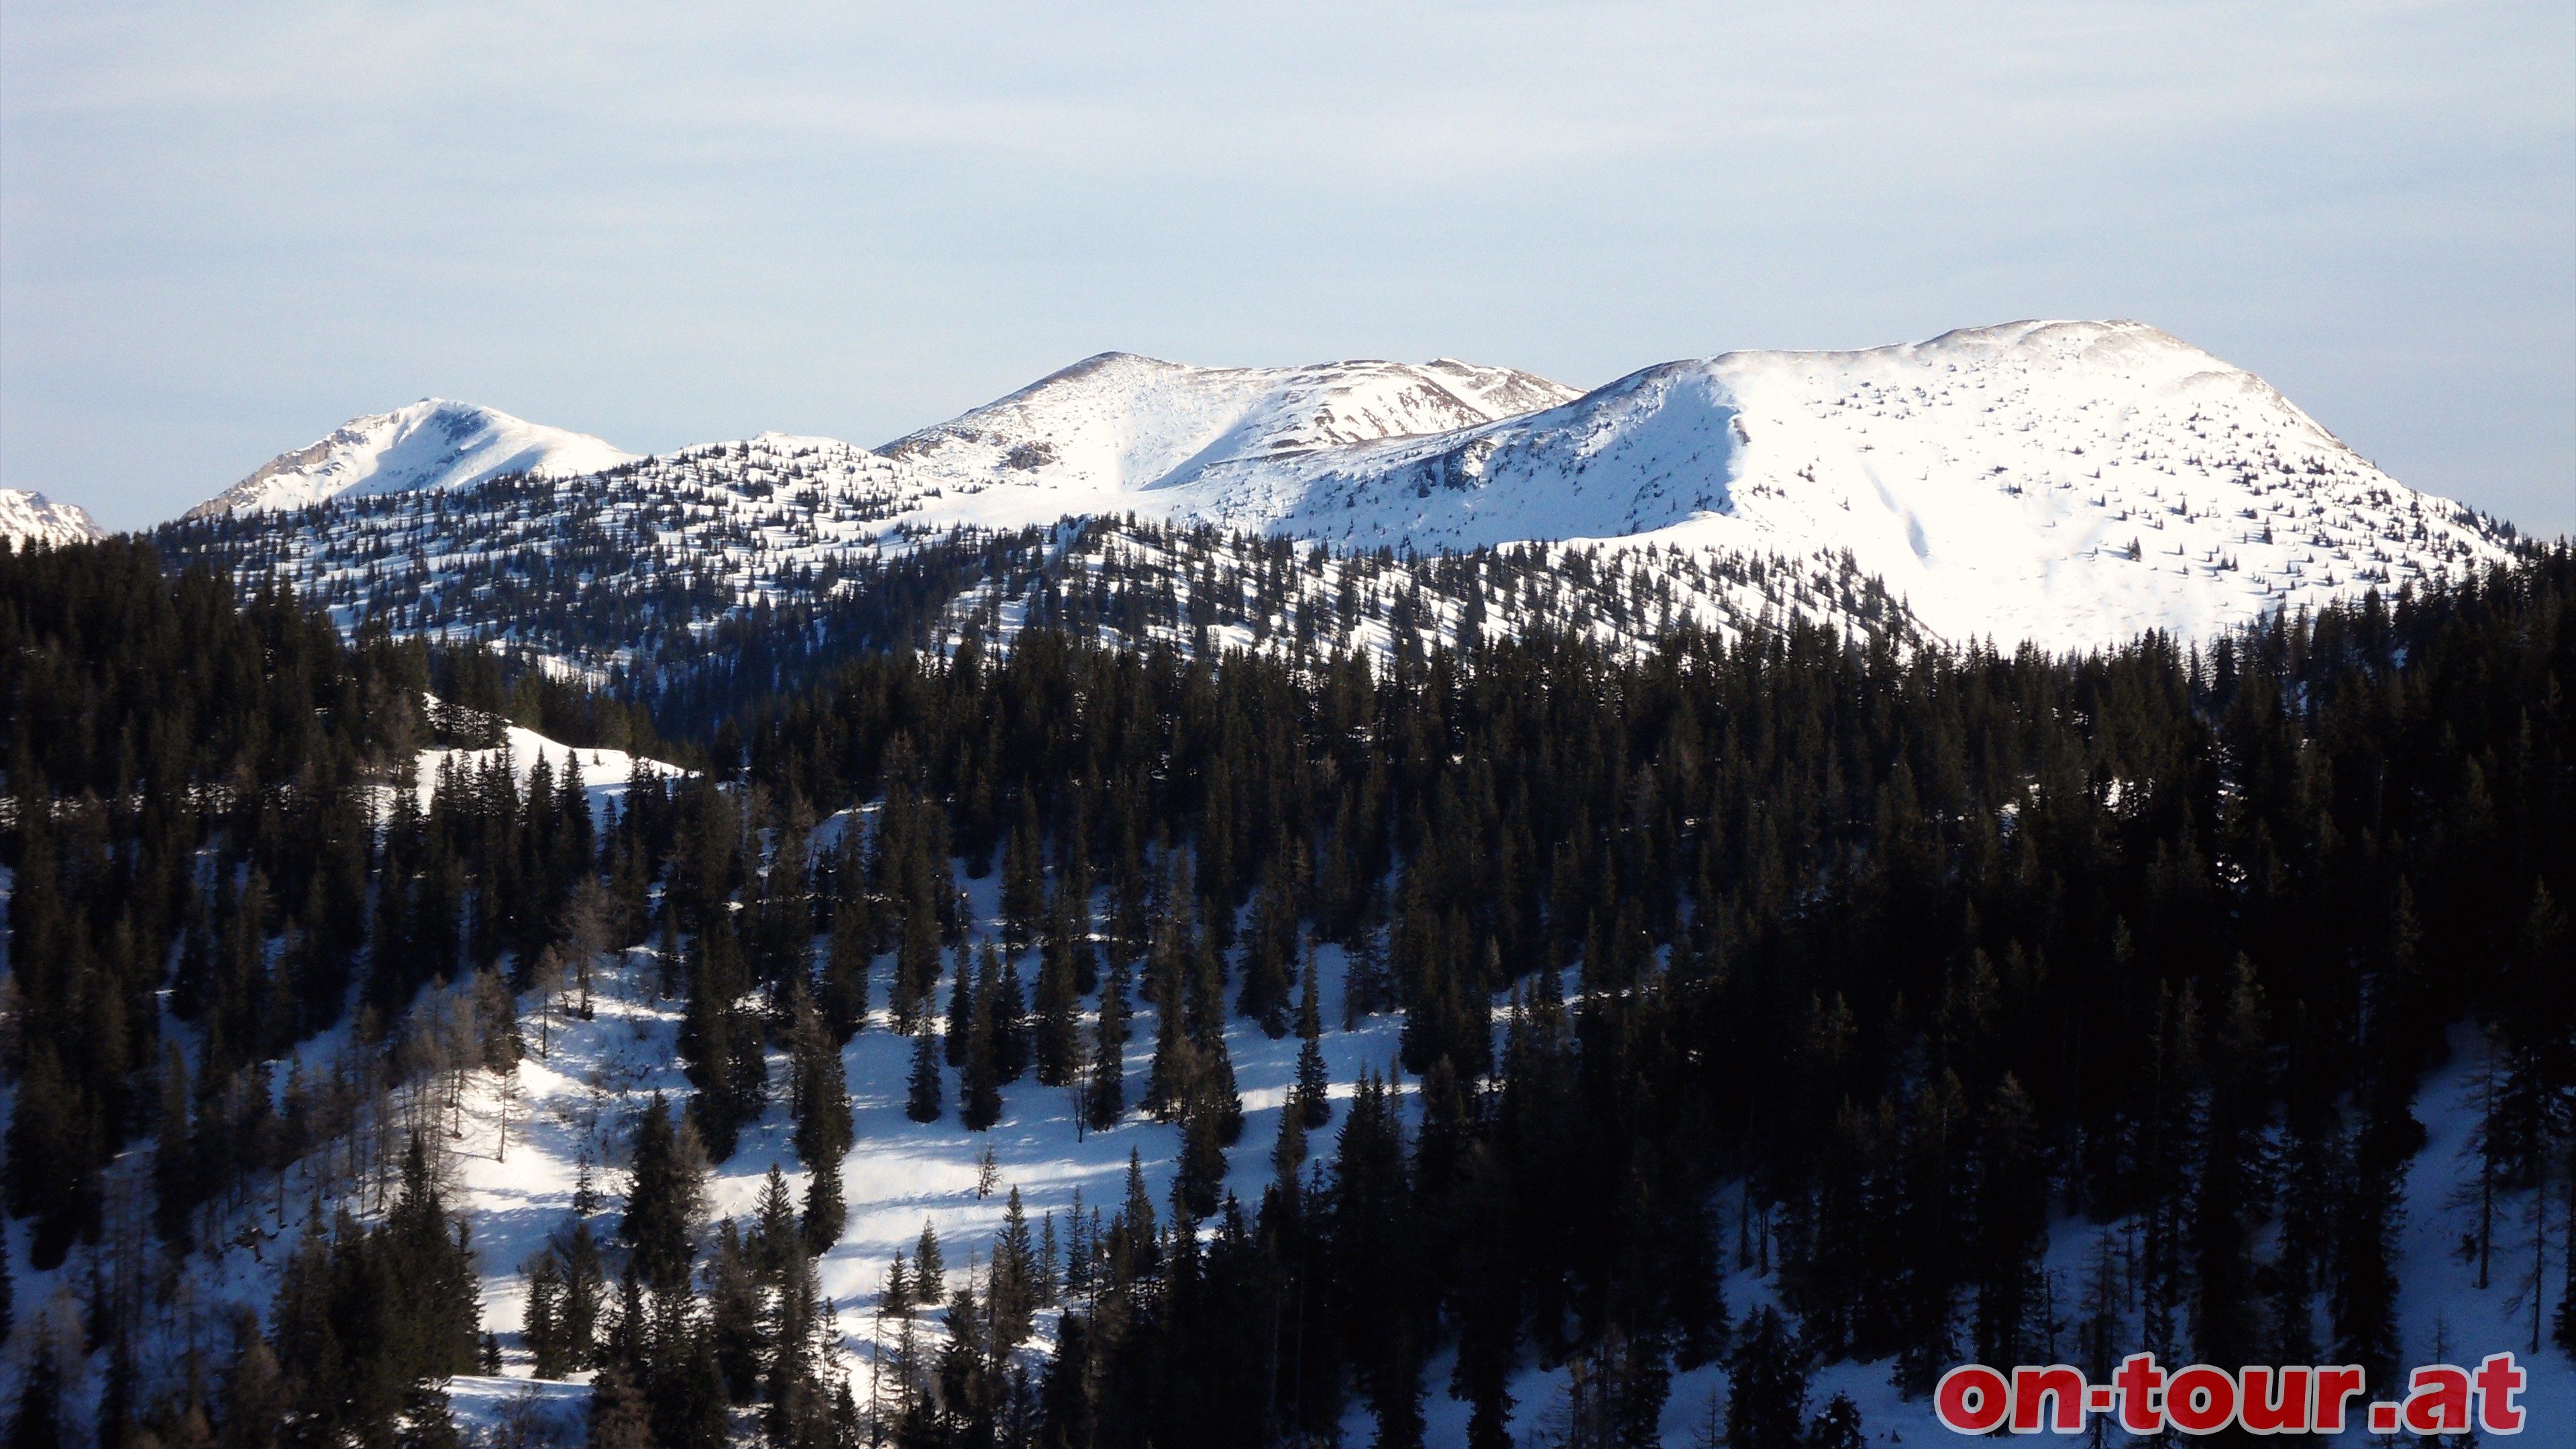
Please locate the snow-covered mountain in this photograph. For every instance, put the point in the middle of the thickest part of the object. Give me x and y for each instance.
(27, 517)
(1092, 438)
(2071, 483)
(434, 443)
(2068, 483)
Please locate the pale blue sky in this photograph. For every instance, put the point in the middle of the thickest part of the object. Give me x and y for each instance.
(224, 229)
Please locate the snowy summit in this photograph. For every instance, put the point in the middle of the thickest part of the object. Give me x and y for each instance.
(27, 517)
(434, 443)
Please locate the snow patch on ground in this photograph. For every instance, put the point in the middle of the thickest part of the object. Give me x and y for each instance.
(605, 773)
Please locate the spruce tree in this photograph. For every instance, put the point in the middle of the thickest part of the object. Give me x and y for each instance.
(979, 1079)
(2233, 1187)
(665, 1200)
(846, 967)
(720, 1039)
(823, 1127)
(1288, 1152)
(1023, 878)
(1046, 1266)
(1264, 995)
(1838, 1427)
(1001, 980)
(1766, 1405)
(1311, 1096)
(896, 1297)
(929, 1268)
(1209, 1084)
(1057, 1044)
(799, 1409)
(916, 970)
(38, 1422)
(618, 1417)
(776, 1243)
(961, 1009)
(585, 1288)
(733, 1315)
(1069, 921)
(922, 1099)
(1169, 1074)
(1016, 1292)
(539, 1318)
(1202, 1166)
(2012, 1228)
(1105, 1099)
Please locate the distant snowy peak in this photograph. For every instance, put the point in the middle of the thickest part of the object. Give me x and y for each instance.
(27, 517)
(2067, 482)
(434, 443)
(1091, 437)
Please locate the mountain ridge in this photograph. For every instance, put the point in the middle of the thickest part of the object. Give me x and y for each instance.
(2069, 483)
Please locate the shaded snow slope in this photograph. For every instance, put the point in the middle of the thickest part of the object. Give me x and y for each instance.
(27, 517)
(433, 443)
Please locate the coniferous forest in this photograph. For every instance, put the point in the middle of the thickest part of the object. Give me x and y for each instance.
(1857, 965)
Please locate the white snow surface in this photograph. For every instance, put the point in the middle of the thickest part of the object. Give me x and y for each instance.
(604, 773)
(433, 443)
(28, 517)
(1092, 437)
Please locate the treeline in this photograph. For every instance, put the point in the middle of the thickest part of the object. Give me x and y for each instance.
(701, 583)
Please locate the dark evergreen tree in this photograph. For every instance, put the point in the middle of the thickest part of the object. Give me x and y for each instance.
(1105, 1094)
(979, 1078)
(2012, 1230)
(1838, 1427)
(1766, 1402)
(733, 1315)
(823, 1124)
(1056, 1044)
(665, 1200)
(1311, 1095)
(1010, 1013)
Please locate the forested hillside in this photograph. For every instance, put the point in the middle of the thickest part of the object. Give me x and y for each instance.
(1848, 962)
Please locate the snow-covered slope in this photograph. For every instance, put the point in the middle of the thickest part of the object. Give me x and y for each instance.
(1091, 438)
(2072, 483)
(2068, 482)
(27, 518)
(434, 443)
